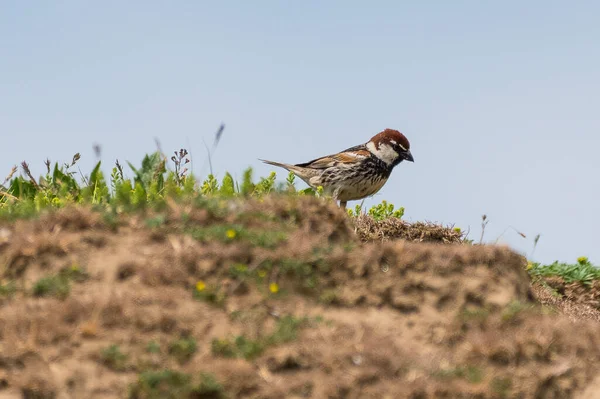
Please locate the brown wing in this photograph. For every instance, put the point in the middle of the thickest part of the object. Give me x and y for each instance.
(350, 155)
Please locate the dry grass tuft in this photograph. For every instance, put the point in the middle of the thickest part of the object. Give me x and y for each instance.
(369, 229)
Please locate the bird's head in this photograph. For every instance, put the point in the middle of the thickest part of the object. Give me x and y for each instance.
(390, 146)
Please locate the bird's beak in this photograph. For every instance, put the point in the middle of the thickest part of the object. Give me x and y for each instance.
(408, 156)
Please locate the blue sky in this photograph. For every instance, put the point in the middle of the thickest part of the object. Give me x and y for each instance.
(500, 100)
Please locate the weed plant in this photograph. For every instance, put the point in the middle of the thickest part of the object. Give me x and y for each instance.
(150, 186)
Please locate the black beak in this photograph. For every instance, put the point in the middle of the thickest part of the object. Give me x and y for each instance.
(408, 156)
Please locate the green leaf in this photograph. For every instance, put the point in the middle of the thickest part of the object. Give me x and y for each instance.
(21, 188)
(139, 196)
(189, 185)
(153, 169)
(63, 182)
(123, 193)
(97, 191)
(247, 184)
(210, 185)
(227, 186)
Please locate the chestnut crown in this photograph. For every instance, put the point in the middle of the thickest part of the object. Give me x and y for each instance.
(391, 146)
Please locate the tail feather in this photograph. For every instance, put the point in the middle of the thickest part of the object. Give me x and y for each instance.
(279, 164)
(305, 174)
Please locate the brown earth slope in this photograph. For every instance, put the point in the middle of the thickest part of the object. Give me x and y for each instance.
(272, 299)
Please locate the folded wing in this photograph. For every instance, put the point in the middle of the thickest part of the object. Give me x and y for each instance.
(349, 156)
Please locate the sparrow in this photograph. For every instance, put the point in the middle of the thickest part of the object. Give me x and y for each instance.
(357, 172)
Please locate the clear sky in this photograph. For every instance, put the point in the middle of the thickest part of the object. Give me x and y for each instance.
(500, 100)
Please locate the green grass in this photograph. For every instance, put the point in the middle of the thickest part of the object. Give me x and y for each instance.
(306, 272)
(74, 273)
(232, 233)
(472, 374)
(210, 294)
(147, 186)
(7, 289)
(153, 347)
(172, 384)
(239, 271)
(239, 347)
(515, 308)
(303, 271)
(156, 221)
(476, 314)
(329, 296)
(286, 330)
(150, 185)
(163, 384)
(501, 386)
(380, 211)
(209, 387)
(59, 285)
(113, 358)
(183, 349)
(52, 285)
(581, 271)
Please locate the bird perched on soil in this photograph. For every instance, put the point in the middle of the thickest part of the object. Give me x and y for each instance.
(357, 172)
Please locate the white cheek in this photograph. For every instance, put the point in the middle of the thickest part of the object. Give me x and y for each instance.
(386, 153)
(371, 147)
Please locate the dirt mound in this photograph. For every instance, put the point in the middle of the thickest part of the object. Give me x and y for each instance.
(574, 299)
(271, 299)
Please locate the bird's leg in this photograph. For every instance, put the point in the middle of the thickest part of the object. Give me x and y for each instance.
(336, 194)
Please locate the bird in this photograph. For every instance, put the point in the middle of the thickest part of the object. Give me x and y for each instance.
(357, 172)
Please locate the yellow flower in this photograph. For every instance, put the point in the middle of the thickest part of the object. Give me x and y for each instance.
(582, 260)
(231, 233)
(241, 267)
(200, 285)
(529, 265)
(274, 288)
(262, 273)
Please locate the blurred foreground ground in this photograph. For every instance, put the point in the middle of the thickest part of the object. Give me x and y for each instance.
(281, 298)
